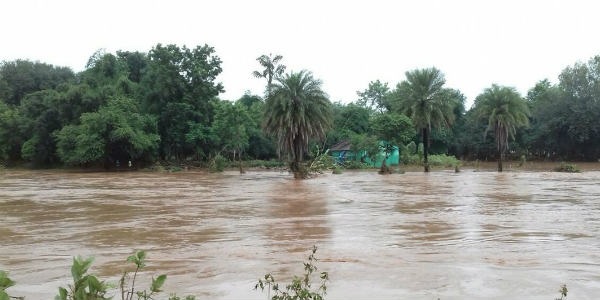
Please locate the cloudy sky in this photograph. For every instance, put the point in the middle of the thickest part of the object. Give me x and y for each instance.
(346, 44)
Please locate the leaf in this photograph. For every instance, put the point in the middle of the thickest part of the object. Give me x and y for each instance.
(138, 259)
(80, 266)
(4, 295)
(62, 294)
(5, 282)
(158, 283)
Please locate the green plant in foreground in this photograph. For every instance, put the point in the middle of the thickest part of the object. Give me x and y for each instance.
(139, 260)
(89, 287)
(6, 282)
(85, 286)
(301, 287)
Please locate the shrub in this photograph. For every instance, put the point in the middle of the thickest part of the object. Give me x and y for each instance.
(301, 286)
(443, 160)
(86, 286)
(353, 165)
(567, 168)
(218, 163)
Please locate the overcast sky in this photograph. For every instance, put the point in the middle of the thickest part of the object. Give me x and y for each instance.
(346, 44)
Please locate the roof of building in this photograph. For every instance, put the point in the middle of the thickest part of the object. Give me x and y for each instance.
(341, 146)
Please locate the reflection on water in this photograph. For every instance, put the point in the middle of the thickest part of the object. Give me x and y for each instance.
(468, 235)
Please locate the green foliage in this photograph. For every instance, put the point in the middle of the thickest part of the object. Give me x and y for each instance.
(506, 111)
(567, 168)
(21, 77)
(375, 97)
(265, 164)
(301, 286)
(6, 282)
(322, 161)
(424, 100)
(10, 137)
(443, 160)
(297, 111)
(116, 132)
(354, 165)
(272, 69)
(178, 86)
(89, 287)
(127, 285)
(231, 127)
(218, 163)
(84, 286)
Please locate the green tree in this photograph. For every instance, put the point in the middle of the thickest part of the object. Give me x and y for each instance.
(178, 87)
(348, 120)
(260, 146)
(272, 69)
(506, 111)
(21, 77)
(422, 98)
(40, 119)
(116, 132)
(297, 111)
(231, 127)
(375, 97)
(391, 130)
(10, 133)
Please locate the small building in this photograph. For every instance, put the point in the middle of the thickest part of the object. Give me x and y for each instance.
(342, 152)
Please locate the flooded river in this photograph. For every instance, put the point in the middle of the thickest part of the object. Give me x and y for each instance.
(467, 235)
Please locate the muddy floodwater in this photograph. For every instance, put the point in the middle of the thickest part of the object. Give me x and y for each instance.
(467, 235)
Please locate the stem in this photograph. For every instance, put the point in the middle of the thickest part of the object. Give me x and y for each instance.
(133, 282)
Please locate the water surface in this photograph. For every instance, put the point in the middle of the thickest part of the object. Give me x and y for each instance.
(468, 235)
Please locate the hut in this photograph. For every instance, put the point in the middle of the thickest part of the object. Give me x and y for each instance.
(342, 152)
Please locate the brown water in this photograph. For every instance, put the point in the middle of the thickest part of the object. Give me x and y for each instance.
(468, 235)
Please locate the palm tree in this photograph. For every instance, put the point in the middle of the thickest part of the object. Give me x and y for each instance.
(272, 69)
(506, 111)
(296, 111)
(422, 98)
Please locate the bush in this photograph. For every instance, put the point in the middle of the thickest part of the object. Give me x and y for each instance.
(218, 163)
(301, 286)
(266, 164)
(86, 286)
(443, 160)
(353, 165)
(567, 168)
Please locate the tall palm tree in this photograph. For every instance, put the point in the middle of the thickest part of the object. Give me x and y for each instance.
(272, 69)
(297, 111)
(423, 99)
(506, 111)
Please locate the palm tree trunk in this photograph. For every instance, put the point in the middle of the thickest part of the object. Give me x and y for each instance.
(500, 158)
(425, 149)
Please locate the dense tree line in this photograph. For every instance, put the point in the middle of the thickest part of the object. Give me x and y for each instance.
(165, 105)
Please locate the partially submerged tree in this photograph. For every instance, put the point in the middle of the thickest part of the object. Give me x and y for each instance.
(506, 111)
(422, 98)
(392, 130)
(297, 111)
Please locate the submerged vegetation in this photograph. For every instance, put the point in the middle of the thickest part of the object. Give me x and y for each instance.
(301, 287)
(567, 168)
